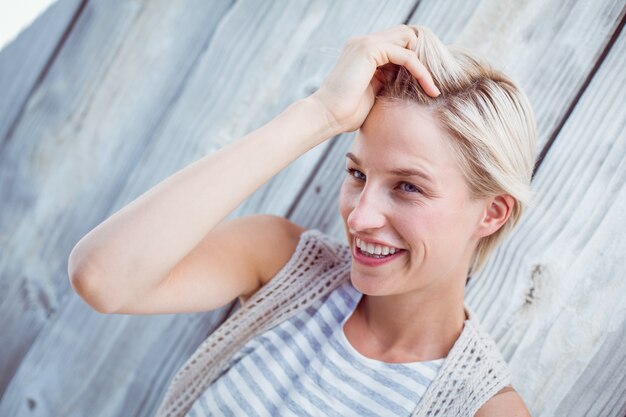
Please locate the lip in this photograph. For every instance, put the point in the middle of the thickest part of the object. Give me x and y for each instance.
(366, 260)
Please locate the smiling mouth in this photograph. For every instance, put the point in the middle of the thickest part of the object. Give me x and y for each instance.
(385, 251)
(373, 255)
(373, 259)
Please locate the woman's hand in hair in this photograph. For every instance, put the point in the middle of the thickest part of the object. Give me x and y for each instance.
(349, 91)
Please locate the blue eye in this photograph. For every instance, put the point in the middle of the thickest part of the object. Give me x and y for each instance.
(351, 172)
(415, 189)
(411, 188)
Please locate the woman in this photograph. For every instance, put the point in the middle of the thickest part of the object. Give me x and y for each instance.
(437, 175)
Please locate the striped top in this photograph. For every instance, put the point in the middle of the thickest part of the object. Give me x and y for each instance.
(305, 366)
(472, 372)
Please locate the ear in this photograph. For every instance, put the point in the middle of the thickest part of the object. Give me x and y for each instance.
(497, 212)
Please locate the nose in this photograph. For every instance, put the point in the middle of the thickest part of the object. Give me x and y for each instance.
(366, 213)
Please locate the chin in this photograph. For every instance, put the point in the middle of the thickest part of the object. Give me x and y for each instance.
(368, 285)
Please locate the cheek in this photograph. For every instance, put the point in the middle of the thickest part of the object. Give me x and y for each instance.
(345, 207)
(346, 200)
(427, 225)
(461, 217)
(449, 230)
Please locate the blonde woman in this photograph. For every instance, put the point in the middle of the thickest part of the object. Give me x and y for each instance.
(438, 173)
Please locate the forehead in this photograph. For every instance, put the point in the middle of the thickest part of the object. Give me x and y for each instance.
(398, 135)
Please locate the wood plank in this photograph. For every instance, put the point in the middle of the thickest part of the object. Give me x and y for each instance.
(75, 145)
(446, 19)
(85, 361)
(549, 47)
(258, 60)
(24, 61)
(554, 293)
(587, 396)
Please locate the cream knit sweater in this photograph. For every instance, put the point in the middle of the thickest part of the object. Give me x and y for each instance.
(473, 371)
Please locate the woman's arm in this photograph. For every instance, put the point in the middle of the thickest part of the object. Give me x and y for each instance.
(506, 403)
(131, 252)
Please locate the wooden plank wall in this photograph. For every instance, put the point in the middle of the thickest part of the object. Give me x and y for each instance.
(25, 61)
(124, 93)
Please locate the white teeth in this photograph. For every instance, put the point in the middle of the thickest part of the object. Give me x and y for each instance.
(375, 249)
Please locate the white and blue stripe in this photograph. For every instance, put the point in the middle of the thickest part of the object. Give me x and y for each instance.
(305, 366)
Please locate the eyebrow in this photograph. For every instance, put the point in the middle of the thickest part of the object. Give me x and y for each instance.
(401, 172)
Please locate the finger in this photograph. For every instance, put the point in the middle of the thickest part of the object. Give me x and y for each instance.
(401, 35)
(408, 59)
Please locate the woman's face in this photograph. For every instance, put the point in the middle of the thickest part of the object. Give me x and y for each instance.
(433, 220)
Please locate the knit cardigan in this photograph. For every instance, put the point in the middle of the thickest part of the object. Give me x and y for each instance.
(471, 374)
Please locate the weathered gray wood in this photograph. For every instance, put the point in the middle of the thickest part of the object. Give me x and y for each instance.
(88, 364)
(25, 59)
(83, 130)
(157, 89)
(447, 19)
(243, 78)
(548, 46)
(588, 397)
(554, 294)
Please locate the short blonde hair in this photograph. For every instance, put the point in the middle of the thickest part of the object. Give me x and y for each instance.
(489, 119)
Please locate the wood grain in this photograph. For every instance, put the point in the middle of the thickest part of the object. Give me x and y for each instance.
(83, 131)
(553, 295)
(140, 89)
(161, 84)
(24, 62)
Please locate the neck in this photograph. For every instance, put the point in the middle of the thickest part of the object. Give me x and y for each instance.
(423, 326)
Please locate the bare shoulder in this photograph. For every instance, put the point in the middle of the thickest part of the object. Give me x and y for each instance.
(507, 402)
(280, 238)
